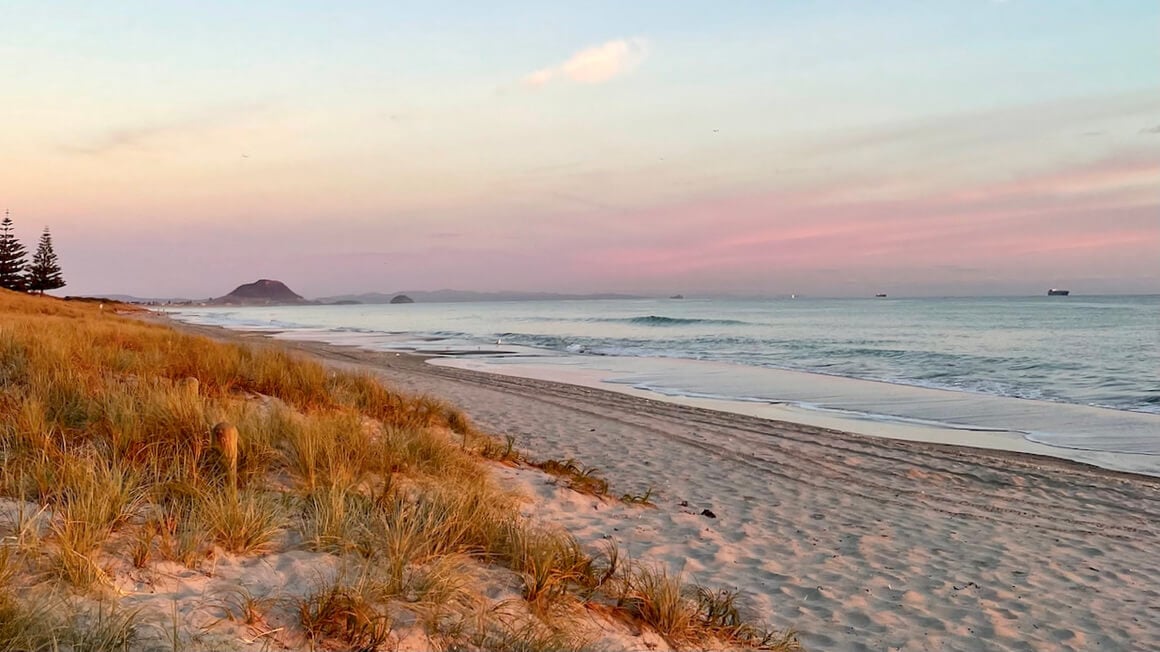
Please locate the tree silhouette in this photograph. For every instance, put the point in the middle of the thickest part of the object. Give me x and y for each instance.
(44, 272)
(12, 255)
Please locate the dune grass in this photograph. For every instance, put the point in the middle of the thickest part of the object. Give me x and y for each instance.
(585, 480)
(342, 612)
(106, 425)
(49, 623)
(639, 499)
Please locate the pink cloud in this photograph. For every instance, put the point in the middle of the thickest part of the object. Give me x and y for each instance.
(1093, 209)
(594, 65)
(1110, 174)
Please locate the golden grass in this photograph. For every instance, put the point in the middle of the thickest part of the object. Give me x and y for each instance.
(639, 499)
(342, 612)
(685, 613)
(243, 524)
(242, 605)
(334, 519)
(585, 480)
(105, 423)
(48, 624)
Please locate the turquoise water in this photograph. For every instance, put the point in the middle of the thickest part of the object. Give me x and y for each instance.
(1086, 351)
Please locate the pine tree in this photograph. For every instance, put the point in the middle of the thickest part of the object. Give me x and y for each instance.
(12, 255)
(44, 272)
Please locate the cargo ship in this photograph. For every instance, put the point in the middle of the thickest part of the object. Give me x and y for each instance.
(1054, 292)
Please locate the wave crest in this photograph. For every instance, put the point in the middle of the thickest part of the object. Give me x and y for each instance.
(658, 320)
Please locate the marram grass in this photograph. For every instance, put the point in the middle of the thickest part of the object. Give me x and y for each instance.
(106, 427)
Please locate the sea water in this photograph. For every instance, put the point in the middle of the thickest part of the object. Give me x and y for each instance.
(1080, 373)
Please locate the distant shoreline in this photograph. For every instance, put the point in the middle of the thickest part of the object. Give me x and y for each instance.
(425, 297)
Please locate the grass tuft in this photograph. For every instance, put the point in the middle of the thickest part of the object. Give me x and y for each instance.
(639, 499)
(48, 624)
(585, 480)
(244, 606)
(245, 524)
(661, 601)
(493, 449)
(342, 613)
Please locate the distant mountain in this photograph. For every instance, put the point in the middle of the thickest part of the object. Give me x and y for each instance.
(263, 292)
(402, 298)
(460, 296)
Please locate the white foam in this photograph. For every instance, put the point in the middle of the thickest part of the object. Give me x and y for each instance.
(1114, 439)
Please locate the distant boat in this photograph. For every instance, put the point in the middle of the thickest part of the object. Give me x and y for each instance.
(1054, 292)
(880, 295)
(677, 296)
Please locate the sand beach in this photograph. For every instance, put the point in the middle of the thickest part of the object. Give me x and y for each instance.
(855, 542)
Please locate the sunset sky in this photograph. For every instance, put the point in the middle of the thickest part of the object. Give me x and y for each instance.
(827, 148)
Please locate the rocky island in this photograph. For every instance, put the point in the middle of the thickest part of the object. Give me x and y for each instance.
(263, 292)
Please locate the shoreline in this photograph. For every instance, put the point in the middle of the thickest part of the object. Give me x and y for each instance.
(839, 420)
(854, 541)
(418, 363)
(867, 417)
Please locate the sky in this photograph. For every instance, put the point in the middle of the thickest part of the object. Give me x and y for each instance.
(949, 147)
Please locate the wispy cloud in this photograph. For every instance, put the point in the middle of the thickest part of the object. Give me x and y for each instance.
(1101, 207)
(1151, 130)
(594, 65)
(142, 136)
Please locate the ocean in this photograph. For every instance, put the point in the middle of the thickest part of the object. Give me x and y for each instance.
(1076, 373)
